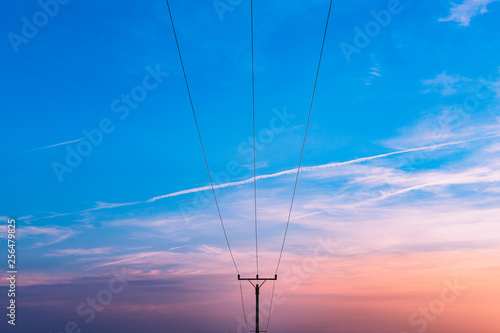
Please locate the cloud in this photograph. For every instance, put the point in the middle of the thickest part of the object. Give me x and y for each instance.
(27, 217)
(477, 170)
(55, 145)
(318, 167)
(79, 252)
(351, 202)
(433, 147)
(177, 247)
(440, 179)
(464, 12)
(442, 220)
(375, 71)
(448, 123)
(100, 206)
(210, 249)
(106, 205)
(53, 235)
(450, 129)
(446, 83)
(123, 260)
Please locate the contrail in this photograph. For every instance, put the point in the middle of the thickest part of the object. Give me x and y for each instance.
(123, 260)
(277, 174)
(314, 168)
(57, 144)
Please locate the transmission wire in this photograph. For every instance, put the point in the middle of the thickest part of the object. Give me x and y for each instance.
(199, 136)
(205, 158)
(253, 120)
(301, 155)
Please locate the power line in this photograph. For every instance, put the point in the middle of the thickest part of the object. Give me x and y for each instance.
(271, 306)
(301, 153)
(243, 305)
(305, 136)
(253, 118)
(199, 136)
(205, 158)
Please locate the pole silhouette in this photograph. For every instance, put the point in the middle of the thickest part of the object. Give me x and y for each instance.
(257, 291)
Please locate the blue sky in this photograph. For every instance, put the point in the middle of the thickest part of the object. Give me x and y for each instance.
(402, 154)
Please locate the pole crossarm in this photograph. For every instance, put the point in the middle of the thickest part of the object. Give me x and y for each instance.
(257, 278)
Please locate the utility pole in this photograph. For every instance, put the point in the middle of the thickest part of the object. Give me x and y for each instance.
(257, 288)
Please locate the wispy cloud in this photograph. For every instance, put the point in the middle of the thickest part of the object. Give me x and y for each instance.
(464, 12)
(52, 235)
(442, 179)
(319, 167)
(148, 254)
(449, 221)
(99, 206)
(102, 205)
(55, 145)
(449, 122)
(80, 252)
(177, 247)
(375, 71)
(107, 205)
(446, 84)
(210, 249)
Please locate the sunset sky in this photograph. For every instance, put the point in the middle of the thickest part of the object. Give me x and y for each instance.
(395, 226)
